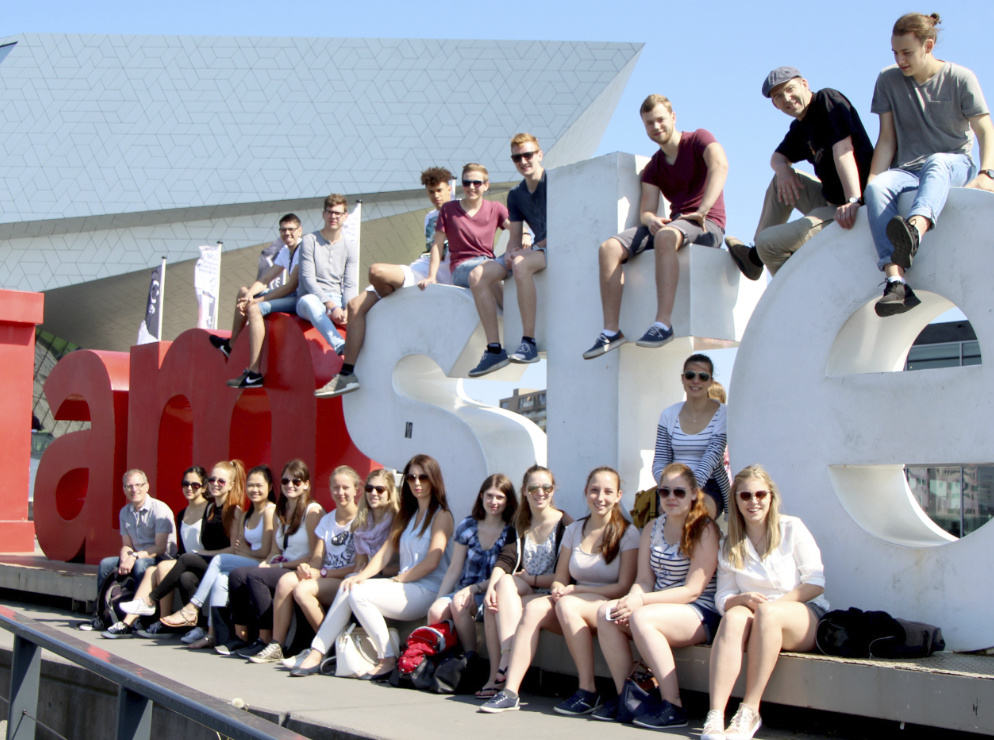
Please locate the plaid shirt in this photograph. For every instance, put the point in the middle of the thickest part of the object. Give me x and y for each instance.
(479, 562)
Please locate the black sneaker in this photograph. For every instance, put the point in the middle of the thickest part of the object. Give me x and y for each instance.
(667, 716)
(898, 297)
(742, 256)
(231, 647)
(604, 344)
(608, 711)
(156, 629)
(221, 343)
(905, 239)
(254, 649)
(247, 379)
(582, 702)
(117, 631)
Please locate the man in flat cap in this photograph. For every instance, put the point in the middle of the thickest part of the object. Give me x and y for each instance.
(826, 132)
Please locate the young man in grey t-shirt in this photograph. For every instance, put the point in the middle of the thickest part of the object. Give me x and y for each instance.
(927, 108)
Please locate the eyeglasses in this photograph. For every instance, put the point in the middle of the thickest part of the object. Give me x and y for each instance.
(134, 486)
(297, 482)
(288, 229)
(690, 375)
(378, 489)
(678, 493)
(547, 487)
(523, 155)
(473, 183)
(411, 478)
(747, 495)
(336, 214)
(219, 481)
(192, 484)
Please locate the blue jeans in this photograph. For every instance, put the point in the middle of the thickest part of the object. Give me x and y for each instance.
(286, 304)
(109, 565)
(215, 579)
(311, 308)
(939, 173)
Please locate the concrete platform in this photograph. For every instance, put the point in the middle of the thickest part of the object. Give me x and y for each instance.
(36, 574)
(955, 692)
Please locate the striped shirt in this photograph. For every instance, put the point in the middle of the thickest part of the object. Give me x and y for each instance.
(704, 452)
(670, 566)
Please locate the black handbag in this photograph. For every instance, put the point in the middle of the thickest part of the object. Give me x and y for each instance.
(634, 701)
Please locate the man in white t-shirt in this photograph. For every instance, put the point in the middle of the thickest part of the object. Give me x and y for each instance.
(254, 302)
(384, 279)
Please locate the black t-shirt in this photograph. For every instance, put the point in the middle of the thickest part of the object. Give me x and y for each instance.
(830, 118)
(528, 207)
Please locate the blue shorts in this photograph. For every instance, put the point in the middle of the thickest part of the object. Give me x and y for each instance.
(710, 621)
(460, 275)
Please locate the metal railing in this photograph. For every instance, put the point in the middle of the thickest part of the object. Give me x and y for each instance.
(138, 688)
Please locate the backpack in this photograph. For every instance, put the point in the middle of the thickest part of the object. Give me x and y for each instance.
(113, 591)
(424, 650)
(853, 633)
(645, 507)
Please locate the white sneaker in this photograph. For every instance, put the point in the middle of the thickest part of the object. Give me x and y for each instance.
(138, 606)
(744, 724)
(714, 726)
(193, 635)
(295, 661)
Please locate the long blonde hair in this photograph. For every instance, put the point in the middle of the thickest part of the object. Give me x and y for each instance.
(362, 518)
(734, 548)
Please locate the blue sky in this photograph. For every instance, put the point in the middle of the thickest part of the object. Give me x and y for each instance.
(710, 58)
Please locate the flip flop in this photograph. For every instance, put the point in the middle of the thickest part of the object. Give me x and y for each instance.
(180, 619)
(487, 692)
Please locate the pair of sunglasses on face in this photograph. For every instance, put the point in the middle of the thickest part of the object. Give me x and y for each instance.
(690, 375)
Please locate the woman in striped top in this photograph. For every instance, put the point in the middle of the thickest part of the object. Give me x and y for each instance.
(693, 433)
(671, 603)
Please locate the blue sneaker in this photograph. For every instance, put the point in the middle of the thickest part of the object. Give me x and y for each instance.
(655, 337)
(604, 344)
(582, 702)
(525, 354)
(503, 701)
(665, 717)
(491, 361)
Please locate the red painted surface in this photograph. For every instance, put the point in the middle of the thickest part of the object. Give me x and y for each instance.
(166, 407)
(19, 314)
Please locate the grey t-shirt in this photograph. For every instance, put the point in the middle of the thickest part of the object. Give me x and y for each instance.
(931, 118)
(328, 269)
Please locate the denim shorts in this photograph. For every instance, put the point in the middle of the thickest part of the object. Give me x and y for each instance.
(500, 260)
(710, 620)
(478, 598)
(460, 275)
(819, 611)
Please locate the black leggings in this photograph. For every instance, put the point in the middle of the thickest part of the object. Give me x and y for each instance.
(251, 593)
(189, 569)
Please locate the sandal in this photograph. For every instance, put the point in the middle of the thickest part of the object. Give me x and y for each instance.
(488, 692)
(201, 644)
(182, 618)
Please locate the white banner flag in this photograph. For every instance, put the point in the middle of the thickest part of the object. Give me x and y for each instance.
(207, 284)
(351, 229)
(150, 329)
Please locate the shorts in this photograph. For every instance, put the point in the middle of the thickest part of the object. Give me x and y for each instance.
(710, 621)
(460, 275)
(819, 611)
(638, 239)
(417, 271)
(478, 598)
(286, 304)
(502, 263)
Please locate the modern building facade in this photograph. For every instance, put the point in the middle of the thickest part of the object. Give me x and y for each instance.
(121, 150)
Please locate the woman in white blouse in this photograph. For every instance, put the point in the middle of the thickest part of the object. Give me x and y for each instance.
(770, 590)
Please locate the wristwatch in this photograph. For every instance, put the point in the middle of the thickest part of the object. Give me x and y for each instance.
(855, 199)
(989, 173)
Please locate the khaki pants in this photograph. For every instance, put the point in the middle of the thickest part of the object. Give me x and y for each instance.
(776, 239)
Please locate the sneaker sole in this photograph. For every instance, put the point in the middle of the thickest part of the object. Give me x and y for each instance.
(498, 710)
(637, 723)
(594, 715)
(520, 360)
(883, 310)
(653, 344)
(575, 714)
(493, 368)
(898, 235)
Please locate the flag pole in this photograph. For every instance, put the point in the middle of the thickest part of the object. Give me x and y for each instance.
(162, 296)
(220, 251)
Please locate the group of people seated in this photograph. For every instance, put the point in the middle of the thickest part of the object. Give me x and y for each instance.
(241, 557)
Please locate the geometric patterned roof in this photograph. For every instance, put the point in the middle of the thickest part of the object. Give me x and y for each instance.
(94, 126)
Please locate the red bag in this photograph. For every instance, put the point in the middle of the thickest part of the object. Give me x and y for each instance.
(426, 642)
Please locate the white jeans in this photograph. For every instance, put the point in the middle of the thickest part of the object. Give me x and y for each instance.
(373, 602)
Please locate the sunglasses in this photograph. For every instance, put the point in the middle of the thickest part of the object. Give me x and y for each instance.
(690, 375)
(747, 495)
(192, 484)
(297, 482)
(219, 481)
(547, 487)
(378, 489)
(523, 155)
(411, 478)
(678, 493)
(473, 183)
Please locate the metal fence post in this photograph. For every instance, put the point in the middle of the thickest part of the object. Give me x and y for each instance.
(25, 677)
(134, 716)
